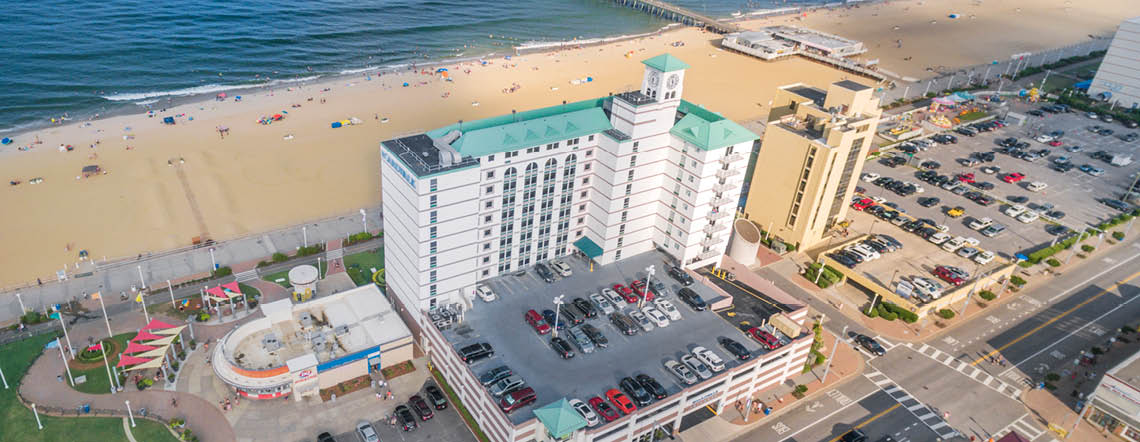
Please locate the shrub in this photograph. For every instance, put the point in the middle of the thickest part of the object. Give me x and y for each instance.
(1053, 262)
(946, 313)
(1097, 351)
(1118, 235)
(799, 391)
(987, 295)
(193, 344)
(889, 315)
(280, 257)
(33, 317)
(223, 272)
(203, 316)
(177, 422)
(310, 250)
(871, 313)
(261, 264)
(1017, 280)
(1087, 248)
(1052, 377)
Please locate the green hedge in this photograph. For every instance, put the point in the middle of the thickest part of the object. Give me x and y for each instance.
(1053, 262)
(1017, 280)
(1058, 64)
(987, 295)
(1119, 236)
(1087, 248)
(830, 275)
(891, 311)
(310, 250)
(946, 313)
(223, 272)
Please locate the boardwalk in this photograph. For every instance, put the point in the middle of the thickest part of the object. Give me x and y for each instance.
(679, 14)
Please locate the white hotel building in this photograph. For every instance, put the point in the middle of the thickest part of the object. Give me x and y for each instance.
(609, 177)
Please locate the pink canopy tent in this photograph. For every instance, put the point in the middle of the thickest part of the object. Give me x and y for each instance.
(146, 336)
(156, 324)
(134, 347)
(125, 360)
(233, 287)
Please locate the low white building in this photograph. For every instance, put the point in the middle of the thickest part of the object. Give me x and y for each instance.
(609, 177)
(1117, 79)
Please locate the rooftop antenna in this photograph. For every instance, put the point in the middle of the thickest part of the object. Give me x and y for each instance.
(563, 105)
(461, 125)
(514, 115)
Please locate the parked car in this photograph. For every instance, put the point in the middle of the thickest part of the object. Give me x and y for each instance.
(626, 293)
(420, 406)
(592, 418)
(595, 335)
(505, 385)
(929, 202)
(984, 257)
(583, 342)
(697, 366)
(623, 323)
(475, 352)
(436, 397)
(607, 412)
(651, 385)
(494, 375)
(870, 344)
(766, 339)
(561, 268)
(634, 390)
(551, 317)
(562, 347)
(536, 322)
(692, 299)
(544, 272)
(1013, 177)
(485, 293)
(407, 420)
(641, 320)
(602, 303)
(993, 231)
(617, 300)
(326, 437)
(682, 372)
(714, 362)
(737, 349)
(1116, 204)
(680, 276)
(517, 399)
(365, 431)
(585, 307)
(945, 274)
(620, 401)
(667, 308)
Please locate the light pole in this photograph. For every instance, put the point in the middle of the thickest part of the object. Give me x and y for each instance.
(107, 364)
(304, 236)
(130, 414)
(171, 289)
(57, 344)
(557, 315)
(37, 413)
(648, 274)
(1006, 283)
(832, 357)
(213, 262)
(2, 378)
(364, 219)
(142, 282)
(21, 301)
(70, 349)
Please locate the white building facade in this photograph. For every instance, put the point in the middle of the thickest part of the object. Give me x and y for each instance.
(610, 177)
(1118, 78)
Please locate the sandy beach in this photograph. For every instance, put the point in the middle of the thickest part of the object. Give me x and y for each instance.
(165, 185)
(986, 30)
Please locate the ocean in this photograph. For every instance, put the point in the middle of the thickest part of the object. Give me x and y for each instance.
(82, 58)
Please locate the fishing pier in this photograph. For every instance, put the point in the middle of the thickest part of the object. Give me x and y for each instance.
(681, 15)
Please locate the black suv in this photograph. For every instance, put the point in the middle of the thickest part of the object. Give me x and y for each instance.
(475, 352)
(494, 375)
(855, 435)
(635, 391)
(688, 296)
(623, 323)
(652, 386)
(595, 335)
(562, 347)
(585, 307)
(680, 276)
(407, 420)
(572, 315)
(435, 395)
(544, 272)
(737, 349)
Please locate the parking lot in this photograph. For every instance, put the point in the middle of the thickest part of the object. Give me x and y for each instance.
(516, 345)
(445, 426)
(1075, 193)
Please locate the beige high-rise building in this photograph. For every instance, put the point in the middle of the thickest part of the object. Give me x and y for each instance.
(810, 159)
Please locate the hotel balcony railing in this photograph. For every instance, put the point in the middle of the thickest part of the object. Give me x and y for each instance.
(722, 188)
(709, 242)
(732, 157)
(724, 174)
(714, 228)
(708, 254)
(719, 214)
(720, 201)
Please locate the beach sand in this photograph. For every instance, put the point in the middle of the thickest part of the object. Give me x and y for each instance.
(985, 31)
(255, 180)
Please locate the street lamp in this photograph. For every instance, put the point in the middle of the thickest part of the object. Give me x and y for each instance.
(213, 262)
(557, 315)
(130, 414)
(22, 308)
(649, 271)
(364, 219)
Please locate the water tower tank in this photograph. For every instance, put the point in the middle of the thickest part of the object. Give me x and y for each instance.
(303, 278)
(745, 242)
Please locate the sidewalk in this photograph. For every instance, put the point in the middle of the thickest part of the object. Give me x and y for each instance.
(730, 424)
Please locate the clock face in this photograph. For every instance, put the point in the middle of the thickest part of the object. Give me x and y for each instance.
(673, 80)
(654, 79)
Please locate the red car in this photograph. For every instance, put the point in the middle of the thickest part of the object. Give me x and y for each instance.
(946, 275)
(621, 401)
(626, 293)
(967, 178)
(604, 409)
(535, 320)
(517, 399)
(862, 204)
(1012, 177)
(1055, 143)
(767, 339)
(640, 289)
(421, 407)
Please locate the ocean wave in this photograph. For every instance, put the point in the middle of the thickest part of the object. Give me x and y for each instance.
(197, 90)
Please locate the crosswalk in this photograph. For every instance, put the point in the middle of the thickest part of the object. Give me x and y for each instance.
(972, 372)
(334, 254)
(924, 414)
(1024, 426)
(248, 275)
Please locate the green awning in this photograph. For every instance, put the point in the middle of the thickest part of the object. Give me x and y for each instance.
(589, 247)
(559, 418)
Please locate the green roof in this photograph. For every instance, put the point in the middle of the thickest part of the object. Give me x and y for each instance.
(536, 127)
(589, 247)
(709, 130)
(666, 63)
(559, 418)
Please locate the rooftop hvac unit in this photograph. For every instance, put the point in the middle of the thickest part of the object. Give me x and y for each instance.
(341, 330)
(306, 320)
(271, 343)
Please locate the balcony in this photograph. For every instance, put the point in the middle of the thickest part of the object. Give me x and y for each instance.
(722, 188)
(709, 242)
(714, 228)
(708, 254)
(725, 174)
(720, 201)
(732, 157)
(719, 214)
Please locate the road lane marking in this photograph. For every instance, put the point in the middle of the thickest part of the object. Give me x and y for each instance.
(829, 415)
(1057, 318)
(864, 423)
(900, 395)
(1087, 281)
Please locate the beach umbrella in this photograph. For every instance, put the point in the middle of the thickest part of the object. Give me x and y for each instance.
(441, 70)
(6, 141)
(405, 84)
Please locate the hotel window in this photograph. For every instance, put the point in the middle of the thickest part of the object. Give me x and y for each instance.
(589, 153)
(551, 146)
(486, 273)
(625, 204)
(578, 234)
(490, 189)
(490, 158)
(584, 193)
(433, 246)
(487, 232)
(620, 241)
(489, 204)
(591, 138)
(432, 262)
(486, 246)
(632, 160)
(692, 178)
(487, 219)
(617, 257)
(432, 232)
(630, 175)
(434, 184)
(635, 144)
(586, 180)
(628, 189)
(434, 216)
(624, 216)
(581, 219)
(433, 201)
(581, 207)
(490, 174)
(694, 163)
(573, 142)
(621, 229)
(433, 293)
(534, 149)
(587, 166)
(486, 259)
(432, 276)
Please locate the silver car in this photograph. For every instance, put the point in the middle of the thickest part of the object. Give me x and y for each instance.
(366, 432)
(698, 367)
(560, 267)
(641, 320)
(510, 383)
(715, 363)
(602, 303)
(681, 371)
(581, 341)
(614, 297)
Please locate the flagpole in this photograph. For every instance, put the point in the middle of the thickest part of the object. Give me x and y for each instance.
(70, 349)
(171, 288)
(106, 320)
(108, 365)
(143, 302)
(65, 366)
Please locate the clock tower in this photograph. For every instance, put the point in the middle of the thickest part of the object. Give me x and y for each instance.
(664, 78)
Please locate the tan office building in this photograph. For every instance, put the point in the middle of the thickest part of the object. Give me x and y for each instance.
(810, 160)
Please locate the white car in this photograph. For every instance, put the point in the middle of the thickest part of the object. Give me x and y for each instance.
(867, 256)
(972, 242)
(1096, 171)
(867, 250)
(1014, 210)
(561, 268)
(667, 308)
(1044, 138)
(614, 297)
(681, 371)
(984, 257)
(939, 238)
(697, 366)
(979, 224)
(584, 410)
(485, 293)
(942, 228)
(366, 432)
(949, 185)
(715, 363)
(1091, 115)
(927, 287)
(602, 303)
(1036, 186)
(659, 319)
(954, 244)
(1028, 217)
(878, 200)
(870, 176)
(641, 320)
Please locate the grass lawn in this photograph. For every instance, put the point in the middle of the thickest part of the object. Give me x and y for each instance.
(359, 265)
(1057, 82)
(971, 116)
(97, 382)
(284, 275)
(249, 290)
(147, 430)
(466, 415)
(17, 422)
